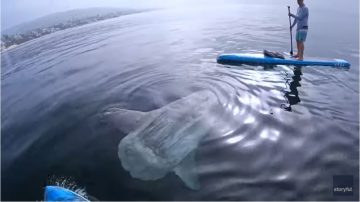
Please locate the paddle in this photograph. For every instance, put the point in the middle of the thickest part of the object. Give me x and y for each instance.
(291, 52)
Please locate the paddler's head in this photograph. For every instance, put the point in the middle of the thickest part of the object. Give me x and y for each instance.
(300, 2)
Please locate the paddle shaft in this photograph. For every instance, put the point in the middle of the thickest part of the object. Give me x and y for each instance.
(291, 52)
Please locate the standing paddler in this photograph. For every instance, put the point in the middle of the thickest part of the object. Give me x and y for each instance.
(301, 19)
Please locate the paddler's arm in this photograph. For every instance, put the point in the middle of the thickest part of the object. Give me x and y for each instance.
(294, 23)
(304, 12)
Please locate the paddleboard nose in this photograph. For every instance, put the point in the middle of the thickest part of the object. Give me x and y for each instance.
(55, 193)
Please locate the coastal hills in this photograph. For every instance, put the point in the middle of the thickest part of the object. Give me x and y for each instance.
(58, 21)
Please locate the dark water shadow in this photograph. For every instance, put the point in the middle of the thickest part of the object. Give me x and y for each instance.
(292, 96)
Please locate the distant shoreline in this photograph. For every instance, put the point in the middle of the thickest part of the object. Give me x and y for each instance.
(8, 48)
(10, 41)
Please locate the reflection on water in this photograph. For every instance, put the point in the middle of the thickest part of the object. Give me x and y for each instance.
(292, 96)
(292, 83)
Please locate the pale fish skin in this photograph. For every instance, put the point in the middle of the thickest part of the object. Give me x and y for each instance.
(165, 139)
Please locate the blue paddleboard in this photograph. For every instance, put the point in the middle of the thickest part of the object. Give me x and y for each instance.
(55, 193)
(260, 59)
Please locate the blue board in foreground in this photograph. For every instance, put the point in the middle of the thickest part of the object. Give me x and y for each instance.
(55, 193)
(260, 59)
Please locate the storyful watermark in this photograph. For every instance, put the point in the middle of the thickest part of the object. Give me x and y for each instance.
(343, 185)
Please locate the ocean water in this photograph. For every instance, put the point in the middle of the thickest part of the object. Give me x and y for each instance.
(285, 131)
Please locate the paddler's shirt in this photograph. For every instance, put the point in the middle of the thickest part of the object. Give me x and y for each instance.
(301, 18)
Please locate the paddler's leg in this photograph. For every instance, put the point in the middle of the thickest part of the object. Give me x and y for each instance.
(301, 51)
(297, 45)
(301, 38)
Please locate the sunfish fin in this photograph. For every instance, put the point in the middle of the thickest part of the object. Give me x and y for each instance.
(123, 119)
(187, 173)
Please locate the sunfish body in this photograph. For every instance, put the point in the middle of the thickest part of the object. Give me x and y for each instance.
(165, 139)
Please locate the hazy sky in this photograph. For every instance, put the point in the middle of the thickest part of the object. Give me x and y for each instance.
(14, 12)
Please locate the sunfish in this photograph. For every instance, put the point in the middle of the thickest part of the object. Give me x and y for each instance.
(165, 139)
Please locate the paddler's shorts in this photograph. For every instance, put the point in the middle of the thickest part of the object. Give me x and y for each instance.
(301, 35)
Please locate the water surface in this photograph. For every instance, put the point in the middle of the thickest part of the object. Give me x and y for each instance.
(288, 131)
